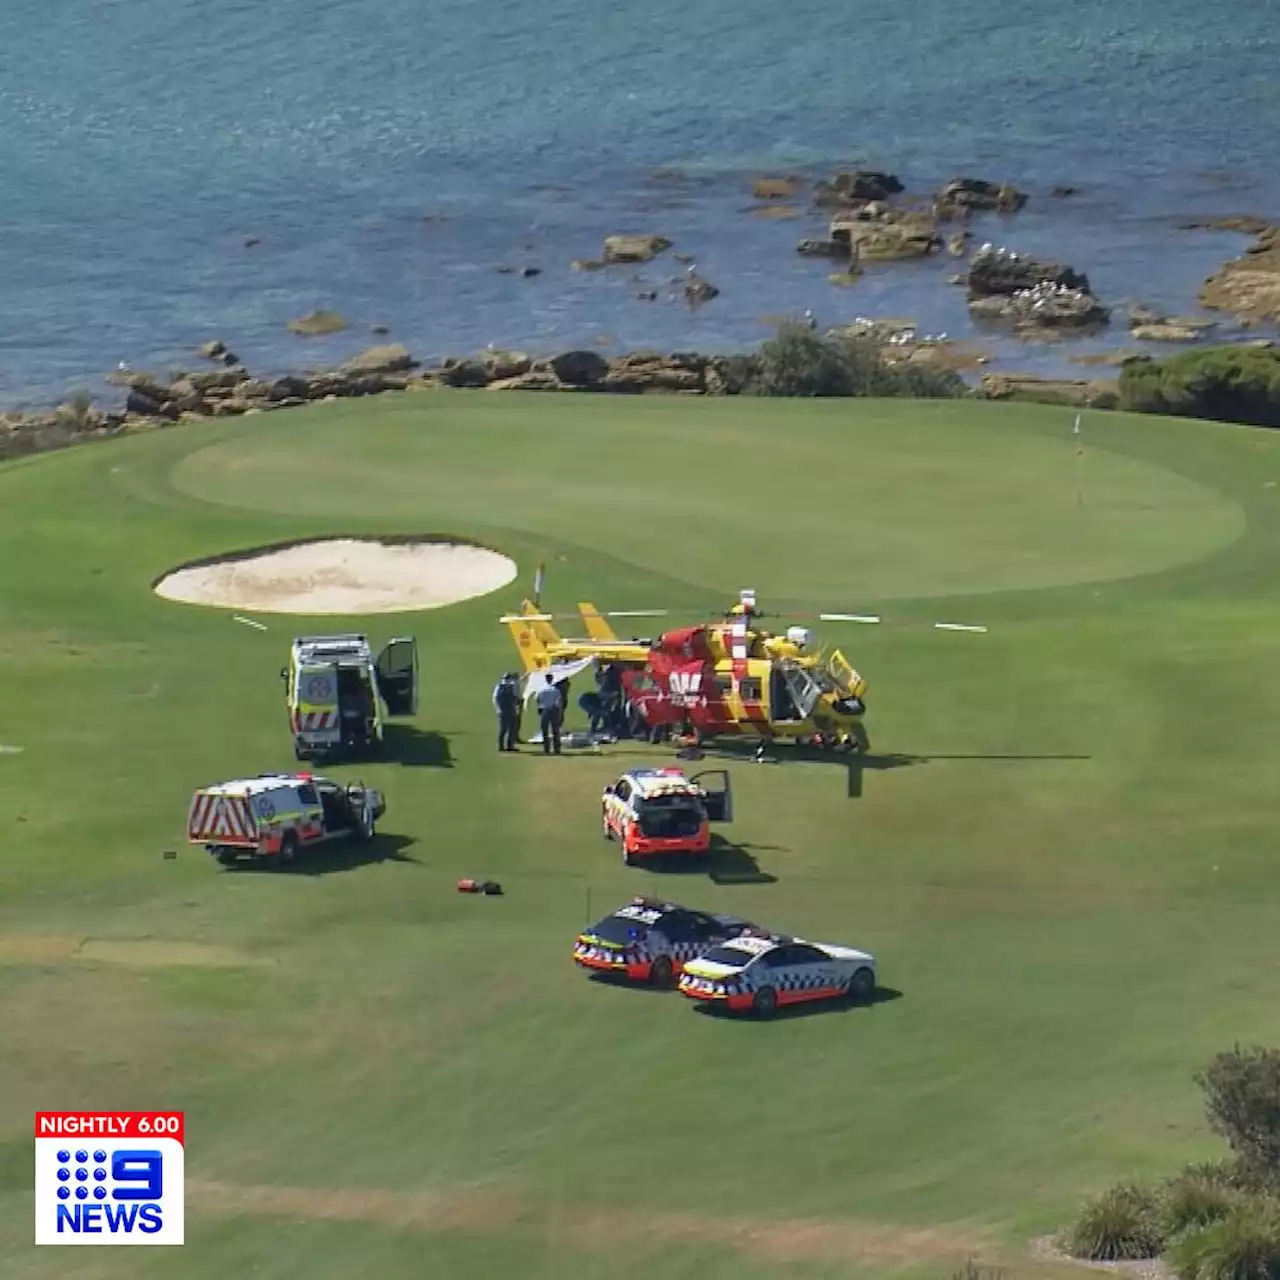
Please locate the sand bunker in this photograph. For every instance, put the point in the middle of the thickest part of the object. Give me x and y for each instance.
(343, 576)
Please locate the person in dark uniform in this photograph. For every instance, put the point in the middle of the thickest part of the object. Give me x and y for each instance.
(506, 702)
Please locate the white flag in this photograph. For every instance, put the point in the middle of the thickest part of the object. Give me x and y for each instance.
(1079, 438)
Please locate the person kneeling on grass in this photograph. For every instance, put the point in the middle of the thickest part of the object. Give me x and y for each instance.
(593, 707)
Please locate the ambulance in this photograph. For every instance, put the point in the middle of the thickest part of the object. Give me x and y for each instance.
(340, 694)
(278, 815)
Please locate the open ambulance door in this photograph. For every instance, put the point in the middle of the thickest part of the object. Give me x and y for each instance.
(398, 676)
(719, 799)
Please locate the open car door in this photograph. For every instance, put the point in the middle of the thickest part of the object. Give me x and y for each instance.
(715, 782)
(398, 676)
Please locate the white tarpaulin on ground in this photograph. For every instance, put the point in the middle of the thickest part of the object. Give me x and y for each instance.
(558, 671)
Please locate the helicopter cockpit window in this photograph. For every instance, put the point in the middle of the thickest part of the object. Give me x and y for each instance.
(804, 690)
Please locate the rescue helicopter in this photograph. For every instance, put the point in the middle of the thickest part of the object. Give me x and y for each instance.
(726, 678)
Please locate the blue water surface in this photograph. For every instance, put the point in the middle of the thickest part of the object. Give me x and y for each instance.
(391, 156)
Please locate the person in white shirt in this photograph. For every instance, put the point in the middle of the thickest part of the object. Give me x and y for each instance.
(550, 712)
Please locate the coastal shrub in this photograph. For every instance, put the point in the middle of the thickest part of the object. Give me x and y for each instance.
(1244, 1245)
(1242, 1099)
(76, 411)
(1228, 384)
(1120, 1225)
(798, 362)
(1197, 1199)
(927, 383)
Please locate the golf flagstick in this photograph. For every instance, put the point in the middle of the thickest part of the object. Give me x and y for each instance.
(1079, 462)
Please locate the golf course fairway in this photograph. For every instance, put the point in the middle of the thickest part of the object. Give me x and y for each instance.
(1061, 849)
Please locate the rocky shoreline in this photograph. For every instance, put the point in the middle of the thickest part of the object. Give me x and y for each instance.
(233, 391)
(871, 220)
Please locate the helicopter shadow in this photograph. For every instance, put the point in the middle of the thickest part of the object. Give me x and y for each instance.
(402, 744)
(341, 855)
(726, 863)
(856, 765)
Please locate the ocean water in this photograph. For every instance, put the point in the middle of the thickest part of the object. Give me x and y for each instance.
(390, 156)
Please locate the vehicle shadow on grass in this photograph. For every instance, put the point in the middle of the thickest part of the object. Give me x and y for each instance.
(416, 748)
(622, 983)
(726, 863)
(341, 855)
(809, 1009)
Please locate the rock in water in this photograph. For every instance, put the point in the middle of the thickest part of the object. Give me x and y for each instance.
(698, 291)
(579, 368)
(316, 324)
(775, 188)
(1164, 332)
(976, 193)
(994, 272)
(217, 351)
(1044, 307)
(392, 357)
(632, 248)
(867, 184)
(823, 248)
(887, 236)
(1249, 286)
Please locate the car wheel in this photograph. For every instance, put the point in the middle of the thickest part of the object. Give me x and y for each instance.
(861, 986)
(628, 859)
(765, 1002)
(660, 972)
(604, 826)
(227, 857)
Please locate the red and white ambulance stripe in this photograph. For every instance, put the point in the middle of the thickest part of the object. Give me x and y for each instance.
(221, 817)
(312, 721)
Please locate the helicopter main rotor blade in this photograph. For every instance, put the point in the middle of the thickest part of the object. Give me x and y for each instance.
(874, 619)
(564, 617)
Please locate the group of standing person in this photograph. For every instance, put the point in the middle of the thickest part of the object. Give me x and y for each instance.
(606, 708)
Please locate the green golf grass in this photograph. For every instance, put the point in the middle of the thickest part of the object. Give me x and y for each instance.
(1061, 849)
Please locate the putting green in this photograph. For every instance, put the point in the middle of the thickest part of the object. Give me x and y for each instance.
(857, 502)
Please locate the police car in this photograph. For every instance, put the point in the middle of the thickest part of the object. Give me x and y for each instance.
(652, 812)
(760, 974)
(651, 941)
(277, 815)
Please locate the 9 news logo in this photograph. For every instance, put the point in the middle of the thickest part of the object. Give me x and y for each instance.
(109, 1177)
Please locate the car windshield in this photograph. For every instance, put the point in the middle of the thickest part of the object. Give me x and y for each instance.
(620, 929)
(734, 956)
(664, 817)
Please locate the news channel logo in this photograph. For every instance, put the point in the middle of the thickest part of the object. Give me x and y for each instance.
(109, 1179)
